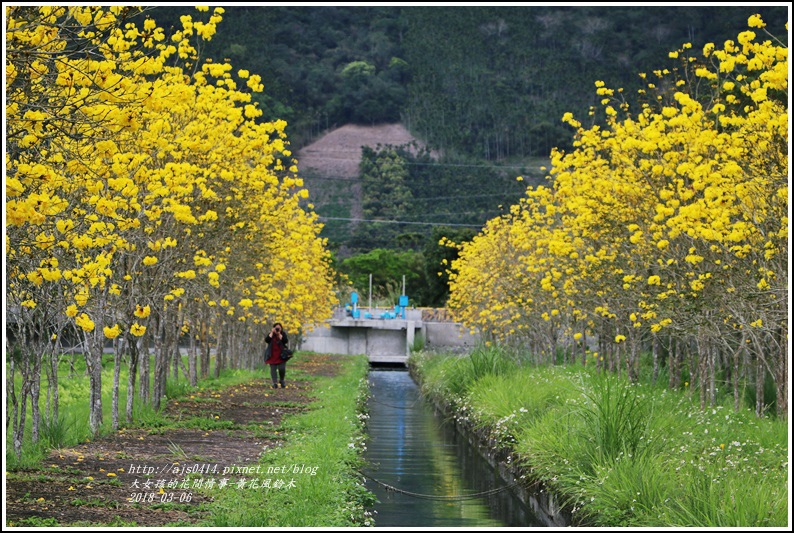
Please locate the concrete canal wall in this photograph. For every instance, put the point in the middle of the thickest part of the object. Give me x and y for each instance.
(544, 505)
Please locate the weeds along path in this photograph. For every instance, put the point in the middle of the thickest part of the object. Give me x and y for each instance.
(151, 476)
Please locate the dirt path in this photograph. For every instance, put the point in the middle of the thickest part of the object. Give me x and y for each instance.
(149, 477)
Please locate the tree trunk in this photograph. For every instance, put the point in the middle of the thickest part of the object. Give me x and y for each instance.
(220, 349)
(735, 378)
(655, 355)
(11, 397)
(93, 362)
(174, 351)
(759, 386)
(702, 362)
(17, 422)
(673, 378)
(116, 379)
(160, 368)
(144, 360)
(132, 353)
(35, 394)
(712, 353)
(181, 364)
(617, 354)
(20, 419)
(205, 342)
(693, 367)
(633, 359)
(781, 377)
(191, 358)
(56, 397)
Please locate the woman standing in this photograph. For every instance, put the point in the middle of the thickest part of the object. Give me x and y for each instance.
(276, 341)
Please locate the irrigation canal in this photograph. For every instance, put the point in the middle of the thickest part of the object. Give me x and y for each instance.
(423, 471)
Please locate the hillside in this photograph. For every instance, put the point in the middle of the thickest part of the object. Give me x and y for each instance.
(487, 82)
(471, 192)
(338, 152)
(330, 165)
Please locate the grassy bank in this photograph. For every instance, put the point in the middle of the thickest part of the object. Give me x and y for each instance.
(302, 445)
(620, 454)
(72, 427)
(312, 477)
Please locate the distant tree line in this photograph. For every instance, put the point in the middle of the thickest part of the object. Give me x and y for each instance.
(489, 82)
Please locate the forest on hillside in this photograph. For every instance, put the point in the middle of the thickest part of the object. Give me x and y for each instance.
(490, 82)
(484, 86)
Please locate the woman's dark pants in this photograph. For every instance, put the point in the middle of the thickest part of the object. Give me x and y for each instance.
(281, 368)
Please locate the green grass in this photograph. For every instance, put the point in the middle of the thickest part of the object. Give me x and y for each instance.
(72, 428)
(621, 454)
(452, 376)
(326, 441)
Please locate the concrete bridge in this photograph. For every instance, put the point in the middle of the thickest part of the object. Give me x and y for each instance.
(382, 338)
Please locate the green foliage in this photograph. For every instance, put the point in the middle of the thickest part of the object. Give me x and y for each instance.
(620, 454)
(486, 81)
(175, 389)
(328, 439)
(57, 433)
(489, 360)
(419, 343)
(387, 268)
(615, 418)
(493, 82)
(455, 376)
(358, 70)
(384, 176)
(35, 521)
(438, 257)
(400, 184)
(72, 425)
(726, 504)
(304, 52)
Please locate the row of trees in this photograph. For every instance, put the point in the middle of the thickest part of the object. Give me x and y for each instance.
(667, 229)
(483, 83)
(147, 202)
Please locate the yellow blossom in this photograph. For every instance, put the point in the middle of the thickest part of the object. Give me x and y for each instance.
(112, 333)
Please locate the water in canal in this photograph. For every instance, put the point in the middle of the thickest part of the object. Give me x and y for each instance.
(411, 448)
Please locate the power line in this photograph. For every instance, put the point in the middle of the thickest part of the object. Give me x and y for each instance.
(401, 222)
(432, 163)
(481, 213)
(500, 195)
(305, 177)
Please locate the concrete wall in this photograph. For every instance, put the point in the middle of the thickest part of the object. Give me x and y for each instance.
(384, 340)
(350, 340)
(448, 334)
(325, 339)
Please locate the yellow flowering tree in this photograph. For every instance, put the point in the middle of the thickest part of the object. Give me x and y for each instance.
(670, 223)
(143, 193)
